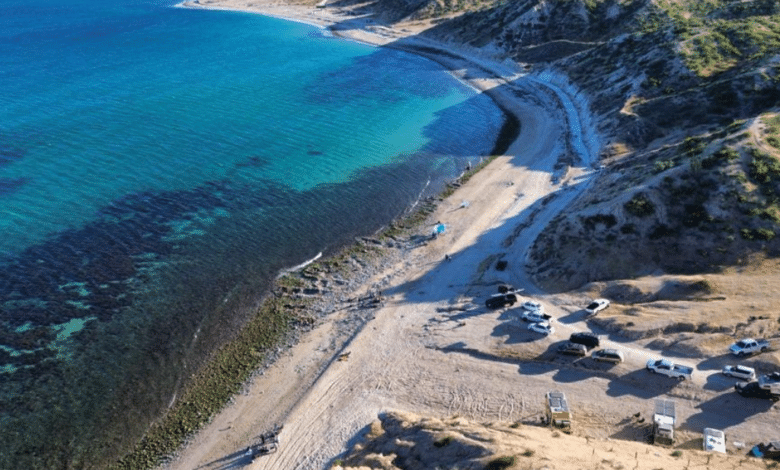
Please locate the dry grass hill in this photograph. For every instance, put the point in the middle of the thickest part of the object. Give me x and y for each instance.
(686, 95)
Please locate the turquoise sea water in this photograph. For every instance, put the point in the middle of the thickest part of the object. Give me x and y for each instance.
(158, 166)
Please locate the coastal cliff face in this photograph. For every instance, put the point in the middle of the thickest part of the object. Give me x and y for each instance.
(686, 96)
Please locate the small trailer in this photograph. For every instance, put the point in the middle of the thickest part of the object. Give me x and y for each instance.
(664, 419)
(557, 410)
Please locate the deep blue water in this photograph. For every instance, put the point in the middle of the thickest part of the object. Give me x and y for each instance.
(156, 162)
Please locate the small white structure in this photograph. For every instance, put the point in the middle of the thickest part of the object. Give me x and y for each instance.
(557, 410)
(714, 440)
(664, 419)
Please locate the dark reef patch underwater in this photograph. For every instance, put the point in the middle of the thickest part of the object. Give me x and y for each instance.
(158, 167)
(100, 326)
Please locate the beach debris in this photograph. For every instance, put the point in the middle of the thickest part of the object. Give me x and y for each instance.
(344, 356)
(464, 204)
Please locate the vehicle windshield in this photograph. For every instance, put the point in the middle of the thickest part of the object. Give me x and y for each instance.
(593, 305)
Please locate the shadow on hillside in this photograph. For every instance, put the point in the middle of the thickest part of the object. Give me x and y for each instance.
(524, 366)
(528, 222)
(642, 384)
(726, 410)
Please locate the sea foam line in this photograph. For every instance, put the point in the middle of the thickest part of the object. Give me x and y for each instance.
(300, 266)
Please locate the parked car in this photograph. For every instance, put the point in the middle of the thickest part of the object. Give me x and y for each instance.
(608, 355)
(753, 390)
(573, 349)
(542, 327)
(588, 339)
(533, 306)
(596, 306)
(740, 372)
(500, 300)
(535, 316)
(748, 346)
(669, 369)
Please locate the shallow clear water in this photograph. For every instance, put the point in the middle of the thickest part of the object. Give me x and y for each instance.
(155, 161)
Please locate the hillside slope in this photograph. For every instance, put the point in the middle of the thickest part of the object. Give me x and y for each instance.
(407, 441)
(686, 95)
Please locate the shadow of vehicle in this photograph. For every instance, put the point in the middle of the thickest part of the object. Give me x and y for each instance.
(726, 410)
(717, 362)
(515, 332)
(229, 462)
(573, 317)
(570, 375)
(720, 382)
(536, 368)
(635, 428)
(642, 384)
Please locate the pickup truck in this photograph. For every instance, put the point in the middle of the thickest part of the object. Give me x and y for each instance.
(669, 369)
(748, 346)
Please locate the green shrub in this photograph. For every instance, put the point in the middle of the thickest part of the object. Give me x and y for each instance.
(640, 206)
(528, 453)
(723, 155)
(763, 168)
(501, 463)
(692, 145)
(443, 442)
(763, 234)
(663, 165)
(590, 222)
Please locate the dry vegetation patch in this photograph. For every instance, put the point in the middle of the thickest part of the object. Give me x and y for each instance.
(410, 442)
(695, 316)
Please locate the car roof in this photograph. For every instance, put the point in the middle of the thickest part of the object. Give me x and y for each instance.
(610, 351)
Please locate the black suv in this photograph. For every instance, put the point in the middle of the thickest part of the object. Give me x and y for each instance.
(501, 300)
(752, 390)
(588, 339)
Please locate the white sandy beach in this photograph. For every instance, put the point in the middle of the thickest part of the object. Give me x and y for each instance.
(432, 348)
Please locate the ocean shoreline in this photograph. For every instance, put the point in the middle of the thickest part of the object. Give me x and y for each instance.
(285, 340)
(342, 330)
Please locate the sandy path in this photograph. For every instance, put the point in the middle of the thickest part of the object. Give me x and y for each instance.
(432, 348)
